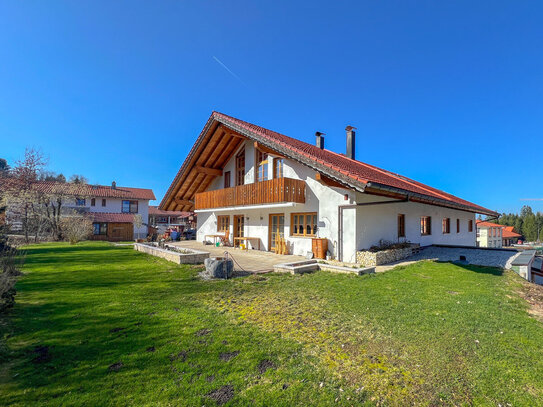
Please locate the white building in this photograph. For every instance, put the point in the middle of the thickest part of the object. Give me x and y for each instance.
(489, 234)
(251, 183)
(113, 209)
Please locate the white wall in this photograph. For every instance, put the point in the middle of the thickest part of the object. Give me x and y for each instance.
(490, 237)
(114, 205)
(363, 226)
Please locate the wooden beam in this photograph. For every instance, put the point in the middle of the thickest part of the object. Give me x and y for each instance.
(324, 180)
(186, 202)
(209, 171)
(264, 149)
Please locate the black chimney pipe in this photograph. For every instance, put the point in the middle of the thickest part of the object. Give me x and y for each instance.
(351, 144)
(319, 140)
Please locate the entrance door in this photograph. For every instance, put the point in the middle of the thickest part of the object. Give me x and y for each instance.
(276, 228)
(239, 223)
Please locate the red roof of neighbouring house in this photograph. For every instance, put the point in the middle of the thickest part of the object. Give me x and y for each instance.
(153, 210)
(87, 190)
(108, 217)
(352, 172)
(509, 232)
(484, 224)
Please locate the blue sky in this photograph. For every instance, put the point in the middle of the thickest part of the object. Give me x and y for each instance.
(447, 93)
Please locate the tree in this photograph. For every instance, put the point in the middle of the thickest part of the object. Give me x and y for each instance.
(53, 177)
(78, 179)
(76, 227)
(4, 167)
(526, 211)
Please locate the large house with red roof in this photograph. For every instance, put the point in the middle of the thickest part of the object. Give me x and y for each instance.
(251, 184)
(113, 209)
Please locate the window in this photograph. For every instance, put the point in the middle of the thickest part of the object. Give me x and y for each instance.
(457, 225)
(278, 168)
(103, 202)
(99, 228)
(162, 219)
(426, 225)
(227, 179)
(261, 166)
(303, 224)
(93, 202)
(401, 225)
(130, 207)
(446, 225)
(79, 202)
(478, 232)
(223, 223)
(240, 168)
(470, 225)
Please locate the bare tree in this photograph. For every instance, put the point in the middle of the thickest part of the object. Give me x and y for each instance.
(76, 227)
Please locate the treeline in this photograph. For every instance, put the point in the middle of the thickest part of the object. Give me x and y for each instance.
(527, 223)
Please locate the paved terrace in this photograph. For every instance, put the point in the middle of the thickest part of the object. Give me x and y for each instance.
(254, 261)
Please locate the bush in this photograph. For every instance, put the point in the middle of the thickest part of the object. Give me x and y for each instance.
(76, 227)
(11, 260)
(388, 245)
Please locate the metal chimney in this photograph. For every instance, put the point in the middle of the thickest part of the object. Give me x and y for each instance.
(351, 146)
(113, 185)
(319, 140)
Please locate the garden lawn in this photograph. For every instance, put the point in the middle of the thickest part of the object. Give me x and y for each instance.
(97, 324)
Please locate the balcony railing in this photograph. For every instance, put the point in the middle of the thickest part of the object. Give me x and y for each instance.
(277, 190)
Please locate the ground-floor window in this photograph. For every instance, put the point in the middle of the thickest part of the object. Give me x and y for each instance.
(401, 225)
(303, 224)
(99, 228)
(426, 225)
(223, 223)
(446, 225)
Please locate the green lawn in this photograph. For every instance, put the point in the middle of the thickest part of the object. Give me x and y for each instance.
(97, 324)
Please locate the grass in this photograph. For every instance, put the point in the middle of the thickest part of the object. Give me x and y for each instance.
(97, 324)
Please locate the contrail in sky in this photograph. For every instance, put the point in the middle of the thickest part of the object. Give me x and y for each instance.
(228, 69)
(531, 199)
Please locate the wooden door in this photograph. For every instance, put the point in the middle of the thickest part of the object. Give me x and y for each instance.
(120, 231)
(239, 226)
(276, 227)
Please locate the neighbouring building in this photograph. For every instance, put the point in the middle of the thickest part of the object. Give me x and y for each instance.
(510, 236)
(253, 184)
(113, 209)
(489, 234)
(178, 220)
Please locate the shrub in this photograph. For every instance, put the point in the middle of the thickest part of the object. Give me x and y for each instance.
(11, 261)
(76, 227)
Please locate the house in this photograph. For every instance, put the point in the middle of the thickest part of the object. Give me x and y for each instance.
(510, 236)
(489, 234)
(178, 220)
(252, 184)
(113, 209)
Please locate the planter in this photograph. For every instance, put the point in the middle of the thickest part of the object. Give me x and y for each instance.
(372, 259)
(187, 256)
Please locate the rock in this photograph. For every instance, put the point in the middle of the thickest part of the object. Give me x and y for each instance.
(218, 267)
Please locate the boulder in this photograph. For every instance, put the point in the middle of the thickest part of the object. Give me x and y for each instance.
(218, 267)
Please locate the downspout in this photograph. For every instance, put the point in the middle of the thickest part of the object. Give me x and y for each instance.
(340, 210)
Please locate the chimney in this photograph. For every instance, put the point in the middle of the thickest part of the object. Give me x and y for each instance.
(350, 142)
(113, 185)
(319, 140)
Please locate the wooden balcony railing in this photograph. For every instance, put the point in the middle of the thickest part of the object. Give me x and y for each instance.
(277, 190)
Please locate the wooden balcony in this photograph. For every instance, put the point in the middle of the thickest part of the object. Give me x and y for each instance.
(279, 190)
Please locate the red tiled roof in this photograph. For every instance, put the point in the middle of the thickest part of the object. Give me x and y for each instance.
(357, 173)
(111, 217)
(153, 210)
(484, 224)
(354, 169)
(509, 232)
(87, 190)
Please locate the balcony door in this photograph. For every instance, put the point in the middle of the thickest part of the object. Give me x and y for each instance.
(239, 226)
(276, 228)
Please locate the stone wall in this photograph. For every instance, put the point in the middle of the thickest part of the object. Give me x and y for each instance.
(194, 257)
(370, 259)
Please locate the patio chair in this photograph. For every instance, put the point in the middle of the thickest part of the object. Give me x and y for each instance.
(225, 240)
